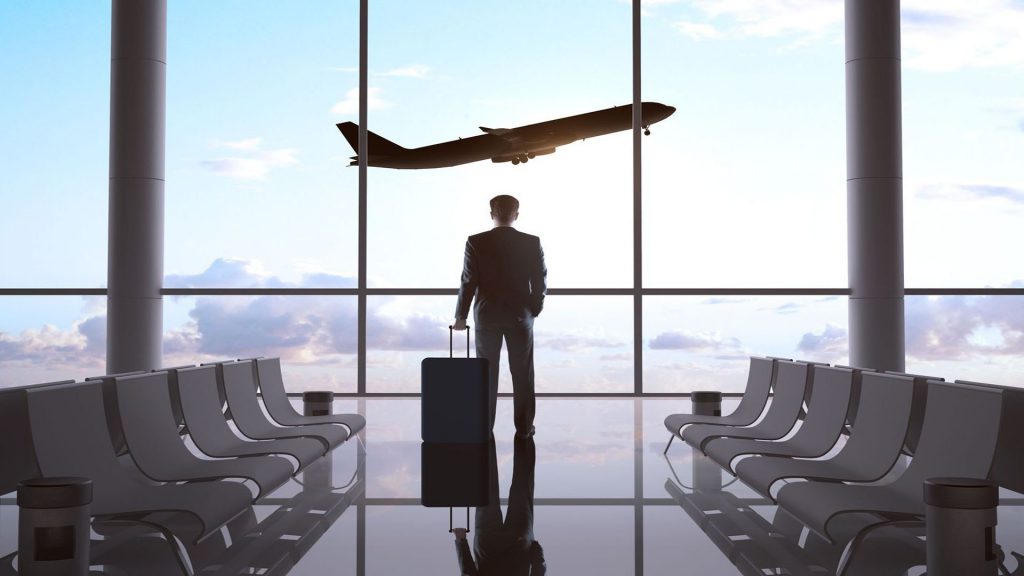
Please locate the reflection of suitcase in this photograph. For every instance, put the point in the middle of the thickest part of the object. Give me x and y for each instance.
(454, 401)
(454, 475)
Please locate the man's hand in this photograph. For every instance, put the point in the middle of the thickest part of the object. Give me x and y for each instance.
(460, 324)
(460, 533)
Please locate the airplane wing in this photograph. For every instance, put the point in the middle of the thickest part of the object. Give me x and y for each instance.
(495, 131)
(518, 136)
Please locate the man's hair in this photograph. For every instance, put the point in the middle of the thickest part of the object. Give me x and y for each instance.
(504, 207)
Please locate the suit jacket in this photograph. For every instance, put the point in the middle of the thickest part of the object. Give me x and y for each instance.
(504, 271)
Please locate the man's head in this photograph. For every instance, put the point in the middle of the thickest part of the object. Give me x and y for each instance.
(504, 210)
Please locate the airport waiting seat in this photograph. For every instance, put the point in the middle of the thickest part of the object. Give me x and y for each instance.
(871, 450)
(204, 417)
(275, 399)
(17, 459)
(111, 410)
(958, 439)
(780, 417)
(238, 380)
(818, 432)
(68, 442)
(1008, 462)
(755, 397)
(158, 450)
(918, 407)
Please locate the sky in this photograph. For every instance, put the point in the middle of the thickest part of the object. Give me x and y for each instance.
(744, 186)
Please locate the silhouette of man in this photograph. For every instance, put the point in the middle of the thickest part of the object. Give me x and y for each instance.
(505, 547)
(504, 271)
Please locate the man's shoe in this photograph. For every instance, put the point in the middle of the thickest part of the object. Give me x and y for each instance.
(525, 435)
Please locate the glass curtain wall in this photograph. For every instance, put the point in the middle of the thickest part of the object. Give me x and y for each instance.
(742, 190)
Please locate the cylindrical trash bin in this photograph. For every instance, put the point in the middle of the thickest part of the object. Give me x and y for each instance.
(53, 526)
(707, 474)
(707, 403)
(317, 403)
(320, 474)
(960, 522)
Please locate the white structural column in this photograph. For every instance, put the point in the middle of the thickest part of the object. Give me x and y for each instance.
(874, 186)
(135, 239)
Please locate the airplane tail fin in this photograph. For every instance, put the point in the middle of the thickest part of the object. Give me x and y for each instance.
(377, 145)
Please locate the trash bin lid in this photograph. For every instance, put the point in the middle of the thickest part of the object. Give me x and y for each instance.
(55, 492)
(963, 493)
(706, 397)
(317, 397)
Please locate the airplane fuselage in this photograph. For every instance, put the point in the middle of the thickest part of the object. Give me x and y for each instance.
(516, 145)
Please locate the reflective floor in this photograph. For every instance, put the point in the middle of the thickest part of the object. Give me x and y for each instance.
(604, 500)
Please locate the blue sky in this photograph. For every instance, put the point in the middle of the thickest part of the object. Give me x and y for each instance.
(743, 186)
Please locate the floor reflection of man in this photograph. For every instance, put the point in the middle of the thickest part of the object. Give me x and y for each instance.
(505, 547)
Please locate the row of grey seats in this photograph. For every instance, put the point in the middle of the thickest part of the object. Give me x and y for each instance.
(131, 435)
(862, 420)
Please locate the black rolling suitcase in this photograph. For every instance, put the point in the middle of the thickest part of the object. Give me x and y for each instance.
(455, 399)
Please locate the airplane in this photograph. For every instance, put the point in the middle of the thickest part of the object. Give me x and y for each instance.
(513, 145)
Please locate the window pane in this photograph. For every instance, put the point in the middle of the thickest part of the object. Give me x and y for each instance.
(54, 107)
(315, 336)
(48, 338)
(978, 338)
(745, 186)
(705, 343)
(257, 189)
(581, 343)
(963, 123)
(437, 73)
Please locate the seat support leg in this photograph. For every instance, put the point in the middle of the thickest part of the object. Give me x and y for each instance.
(862, 534)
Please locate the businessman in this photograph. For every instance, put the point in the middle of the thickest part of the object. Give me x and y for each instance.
(503, 270)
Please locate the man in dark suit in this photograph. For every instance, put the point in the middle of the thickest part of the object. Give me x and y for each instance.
(504, 271)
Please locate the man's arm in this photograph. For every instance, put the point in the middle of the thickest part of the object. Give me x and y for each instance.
(538, 282)
(467, 286)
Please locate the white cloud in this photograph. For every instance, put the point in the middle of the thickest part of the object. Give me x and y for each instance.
(806, 19)
(81, 346)
(973, 192)
(411, 71)
(696, 31)
(350, 105)
(937, 35)
(830, 345)
(305, 329)
(947, 35)
(577, 342)
(253, 163)
(685, 340)
(961, 327)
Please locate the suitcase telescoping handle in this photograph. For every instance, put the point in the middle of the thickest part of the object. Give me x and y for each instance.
(451, 520)
(451, 341)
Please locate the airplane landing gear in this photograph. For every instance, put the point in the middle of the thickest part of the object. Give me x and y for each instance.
(647, 130)
(515, 161)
